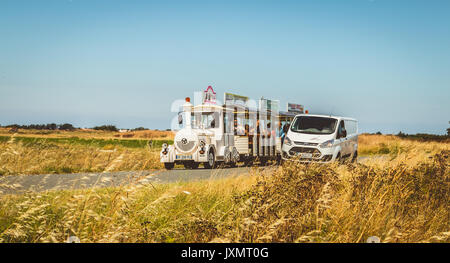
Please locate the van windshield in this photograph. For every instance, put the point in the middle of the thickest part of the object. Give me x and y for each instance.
(314, 125)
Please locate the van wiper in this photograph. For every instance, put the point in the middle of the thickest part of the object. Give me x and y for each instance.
(305, 132)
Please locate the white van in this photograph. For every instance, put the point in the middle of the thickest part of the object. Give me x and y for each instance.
(321, 138)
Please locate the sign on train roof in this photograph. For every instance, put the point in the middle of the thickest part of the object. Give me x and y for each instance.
(231, 98)
(292, 107)
(269, 105)
(209, 96)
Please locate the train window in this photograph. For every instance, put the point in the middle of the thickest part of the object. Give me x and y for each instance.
(252, 123)
(227, 121)
(239, 125)
(205, 120)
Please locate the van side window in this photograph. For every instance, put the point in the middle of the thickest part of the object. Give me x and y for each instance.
(351, 127)
(341, 130)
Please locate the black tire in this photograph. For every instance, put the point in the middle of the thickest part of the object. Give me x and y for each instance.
(169, 166)
(211, 163)
(338, 158)
(355, 157)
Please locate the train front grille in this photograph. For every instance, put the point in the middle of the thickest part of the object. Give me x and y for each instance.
(186, 147)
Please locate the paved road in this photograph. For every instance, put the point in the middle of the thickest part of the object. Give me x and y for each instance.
(15, 184)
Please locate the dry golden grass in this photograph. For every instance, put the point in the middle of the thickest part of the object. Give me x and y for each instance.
(389, 144)
(401, 198)
(147, 134)
(41, 157)
(89, 133)
(134, 213)
(397, 202)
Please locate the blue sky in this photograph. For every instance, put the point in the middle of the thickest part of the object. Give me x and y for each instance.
(89, 62)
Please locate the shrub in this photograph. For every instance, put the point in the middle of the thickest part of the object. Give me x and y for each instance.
(106, 128)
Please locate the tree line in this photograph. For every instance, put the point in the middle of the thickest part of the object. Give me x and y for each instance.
(50, 126)
(54, 126)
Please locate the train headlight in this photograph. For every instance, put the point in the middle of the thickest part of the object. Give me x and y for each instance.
(165, 148)
(202, 147)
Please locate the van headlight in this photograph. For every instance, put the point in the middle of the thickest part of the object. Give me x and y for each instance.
(327, 144)
(287, 141)
(164, 146)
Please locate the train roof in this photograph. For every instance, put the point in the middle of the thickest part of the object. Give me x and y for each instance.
(240, 109)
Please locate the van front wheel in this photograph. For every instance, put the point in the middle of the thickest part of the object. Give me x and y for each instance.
(338, 158)
(355, 157)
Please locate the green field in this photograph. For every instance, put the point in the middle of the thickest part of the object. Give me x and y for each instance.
(94, 142)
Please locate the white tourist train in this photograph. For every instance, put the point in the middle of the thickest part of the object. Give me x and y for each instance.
(239, 130)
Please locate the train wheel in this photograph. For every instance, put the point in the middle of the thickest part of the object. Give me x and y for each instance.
(211, 163)
(234, 157)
